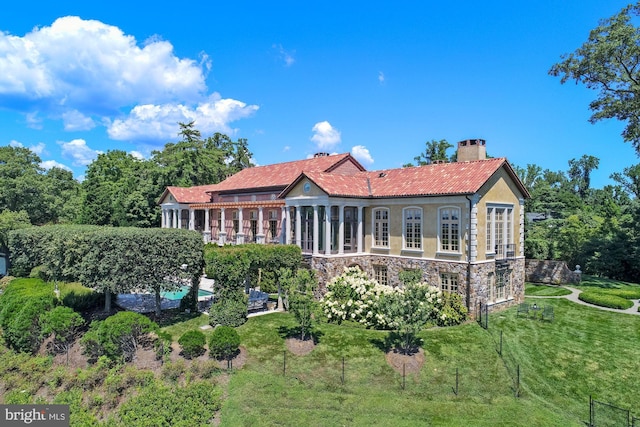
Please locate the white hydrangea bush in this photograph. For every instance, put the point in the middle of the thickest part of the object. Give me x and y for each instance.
(354, 296)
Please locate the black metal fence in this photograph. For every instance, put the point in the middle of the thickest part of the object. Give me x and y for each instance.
(482, 315)
(602, 414)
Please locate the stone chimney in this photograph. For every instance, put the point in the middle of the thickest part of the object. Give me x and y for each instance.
(471, 149)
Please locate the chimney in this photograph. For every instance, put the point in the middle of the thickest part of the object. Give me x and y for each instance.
(321, 154)
(471, 149)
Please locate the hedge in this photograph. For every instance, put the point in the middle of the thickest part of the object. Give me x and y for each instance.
(605, 300)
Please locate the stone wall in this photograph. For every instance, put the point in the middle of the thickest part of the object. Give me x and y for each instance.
(327, 268)
(553, 272)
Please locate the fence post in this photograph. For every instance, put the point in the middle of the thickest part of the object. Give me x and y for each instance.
(342, 370)
(403, 376)
(284, 364)
(518, 381)
(590, 411)
(500, 342)
(455, 391)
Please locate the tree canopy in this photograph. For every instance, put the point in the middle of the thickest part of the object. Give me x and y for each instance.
(609, 62)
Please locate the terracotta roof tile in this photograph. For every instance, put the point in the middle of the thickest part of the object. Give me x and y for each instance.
(430, 180)
(197, 194)
(279, 174)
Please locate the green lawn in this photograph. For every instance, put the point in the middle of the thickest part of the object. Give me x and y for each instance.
(584, 352)
(534, 289)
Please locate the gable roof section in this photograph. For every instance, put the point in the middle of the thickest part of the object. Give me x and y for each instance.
(431, 180)
(197, 194)
(280, 175)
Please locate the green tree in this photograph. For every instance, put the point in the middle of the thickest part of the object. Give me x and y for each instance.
(63, 323)
(580, 174)
(299, 288)
(224, 343)
(629, 179)
(608, 63)
(434, 151)
(10, 220)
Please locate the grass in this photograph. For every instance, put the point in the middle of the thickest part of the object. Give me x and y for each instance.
(605, 300)
(534, 289)
(583, 352)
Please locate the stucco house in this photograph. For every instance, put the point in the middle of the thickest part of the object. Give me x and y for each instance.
(460, 223)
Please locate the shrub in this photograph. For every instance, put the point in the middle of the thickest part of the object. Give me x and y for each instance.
(192, 343)
(80, 298)
(117, 336)
(605, 300)
(229, 310)
(162, 345)
(21, 305)
(224, 342)
(63, 323)
(451, 311)
(623, 293)
(172, 370)
(299, 291)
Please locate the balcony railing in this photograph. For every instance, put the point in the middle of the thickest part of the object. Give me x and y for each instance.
(505, 252)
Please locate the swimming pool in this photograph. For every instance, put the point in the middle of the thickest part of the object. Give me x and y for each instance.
(177, 295)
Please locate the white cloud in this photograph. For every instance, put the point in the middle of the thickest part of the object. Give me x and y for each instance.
(325, 136)
(86, 72)
(285, 55)
(159, 122)
(138, 155)
(48, 164)
(381, 77)
(38, 149)
(361, 153)
(286, 148)
(79, 152)
(75, 120)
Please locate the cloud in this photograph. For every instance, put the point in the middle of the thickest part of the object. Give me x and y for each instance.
(361, 153)
(48, 164)
(75, 120)
(284, 55)
(138, 155)
(38, 149)
(79, 152)
(381, 77)
(286, 148)
(325, 136)
(159, 122)
(86, 73)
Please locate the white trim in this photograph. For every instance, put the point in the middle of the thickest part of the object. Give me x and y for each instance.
(439, 249)
(404, 229)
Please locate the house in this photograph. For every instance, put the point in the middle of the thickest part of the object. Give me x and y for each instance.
(461, 224)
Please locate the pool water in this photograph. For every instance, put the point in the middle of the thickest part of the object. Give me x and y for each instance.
(177, 295)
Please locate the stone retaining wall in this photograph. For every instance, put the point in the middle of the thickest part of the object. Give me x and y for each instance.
(552, 272)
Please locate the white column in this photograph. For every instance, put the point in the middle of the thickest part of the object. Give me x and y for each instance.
(298, 226)
(315, 230)
(240, 235)
(175, 219)
(341, 229)
(222, 233)
(162, 218)
(287, 237)
(360, 225)
(207, 221)
(327, 230)
(260, 237)
(192, 219)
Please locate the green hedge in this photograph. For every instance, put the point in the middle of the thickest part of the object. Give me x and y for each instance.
(192, 343)
(605, 300)
(623, 293)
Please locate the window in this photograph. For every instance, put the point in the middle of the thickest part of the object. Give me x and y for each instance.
(253, 224)
(449, 282)
(502, 285)
(273, 225)
(499, 230)
(220, 229)
(450, 229)
(413, 228)
(236, 222)
(380, 274)
(381, 227)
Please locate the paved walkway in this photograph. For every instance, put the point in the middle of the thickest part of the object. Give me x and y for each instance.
(573, 296)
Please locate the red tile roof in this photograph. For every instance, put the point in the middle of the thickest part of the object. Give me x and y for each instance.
(430, 180)
(197, 194)
(281, 174)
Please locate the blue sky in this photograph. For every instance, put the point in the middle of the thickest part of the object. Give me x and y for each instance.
(377, 79)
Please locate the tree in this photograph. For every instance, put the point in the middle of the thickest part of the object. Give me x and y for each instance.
(629, 179)
(299, 292)
(434, 151)
(224, 343)
(63, 323)
(10, 220)
(580, 174)
(608, 63)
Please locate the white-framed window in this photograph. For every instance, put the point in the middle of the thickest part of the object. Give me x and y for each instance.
(380, 274)
(412, 227)
(273, 224)
(381, 227)
(502, 281)
(449, 282)
(449, 229)
(499, 230)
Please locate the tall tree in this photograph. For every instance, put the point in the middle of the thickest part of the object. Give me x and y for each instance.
(434, 151)
(580, 173)
(629, 179)
(608, 62)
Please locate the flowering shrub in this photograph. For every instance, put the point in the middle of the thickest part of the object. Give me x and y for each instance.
(451, 311)
(353, 296)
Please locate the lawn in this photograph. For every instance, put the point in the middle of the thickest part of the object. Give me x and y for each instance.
(583, 352)
(534, 289)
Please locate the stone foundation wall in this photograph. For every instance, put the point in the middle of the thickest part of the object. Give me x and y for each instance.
(327, 268)
(553, 272)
